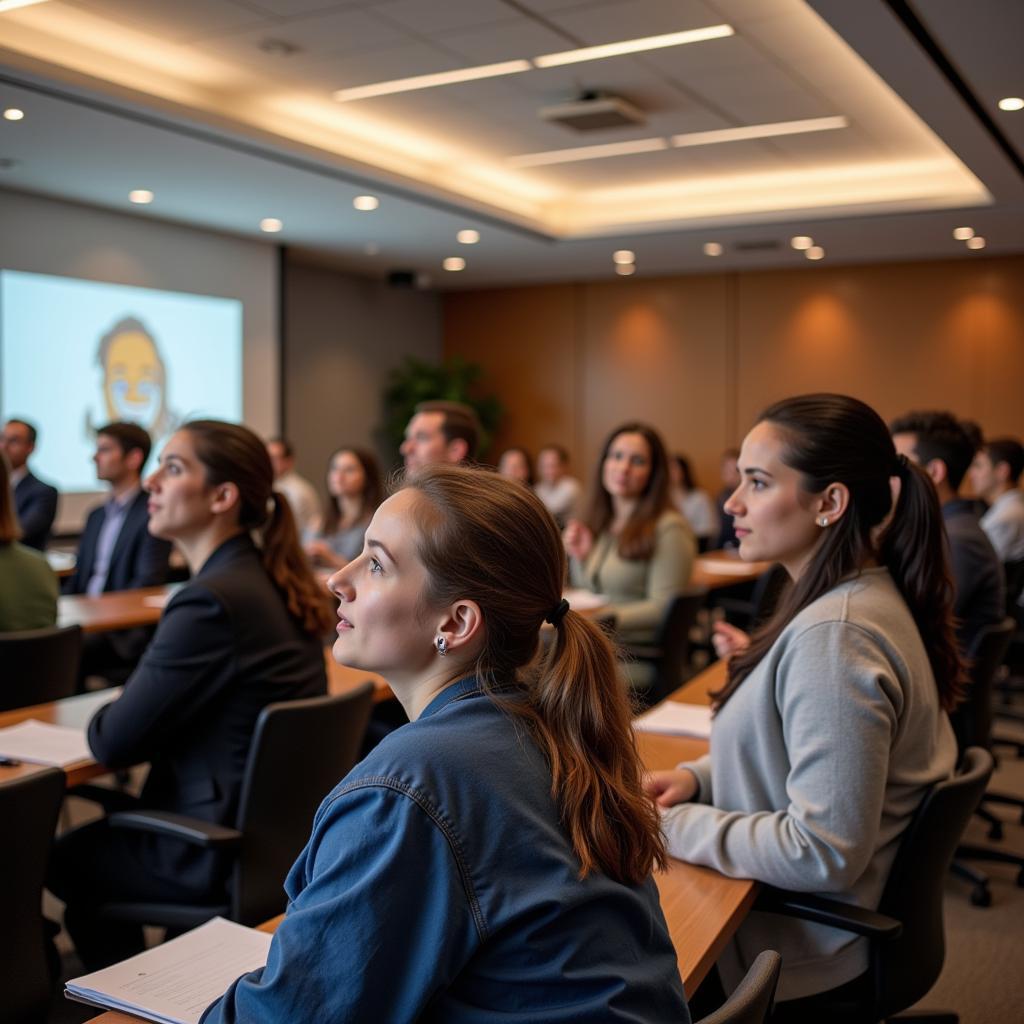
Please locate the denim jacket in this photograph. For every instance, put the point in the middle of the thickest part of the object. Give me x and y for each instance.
(439, 885)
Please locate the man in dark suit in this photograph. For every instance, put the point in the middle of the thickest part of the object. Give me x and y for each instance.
(35, 502)
(117, 551)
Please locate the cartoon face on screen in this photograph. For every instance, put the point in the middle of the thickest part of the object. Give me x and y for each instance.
(134, 377)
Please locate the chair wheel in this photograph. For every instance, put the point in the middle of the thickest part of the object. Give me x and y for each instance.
(981, 897)
(995, 830)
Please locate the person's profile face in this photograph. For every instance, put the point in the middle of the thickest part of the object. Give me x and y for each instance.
(346, 478)
(514, 466)
(179, 495)
(983, 477)
(280, 462)
(424, 443)
(382, 623)
(109, 458)
(133, 379)
(15, 444)
(627, 466)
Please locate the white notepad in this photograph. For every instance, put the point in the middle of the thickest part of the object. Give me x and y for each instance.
(584, 600)
(42, 743)
(174, 983)
(676, 719)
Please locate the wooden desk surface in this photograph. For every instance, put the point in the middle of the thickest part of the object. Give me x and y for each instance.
(715, 569)
(119, 609)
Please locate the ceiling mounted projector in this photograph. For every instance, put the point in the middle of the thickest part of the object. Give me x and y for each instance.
(592, 111)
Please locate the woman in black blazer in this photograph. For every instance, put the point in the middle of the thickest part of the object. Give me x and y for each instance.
(244, 632)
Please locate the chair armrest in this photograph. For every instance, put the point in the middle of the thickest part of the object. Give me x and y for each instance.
(822, 910)
(191, 830)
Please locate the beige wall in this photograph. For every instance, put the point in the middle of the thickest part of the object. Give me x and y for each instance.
(699, 355)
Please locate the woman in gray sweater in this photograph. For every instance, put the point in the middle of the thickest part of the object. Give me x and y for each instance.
(832, 724)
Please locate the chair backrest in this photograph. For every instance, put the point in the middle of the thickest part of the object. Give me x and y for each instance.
(300, 750)
(972, 721)
(39, 665)
(29, 806)
(1013, 573)
(754, 997)
(906, 967)
(673, 641)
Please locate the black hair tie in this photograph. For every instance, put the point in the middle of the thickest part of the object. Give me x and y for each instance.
(556, 616)
(902, 466)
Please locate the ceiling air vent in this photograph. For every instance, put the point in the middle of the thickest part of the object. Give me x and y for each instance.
(593, 111)
(765, 245)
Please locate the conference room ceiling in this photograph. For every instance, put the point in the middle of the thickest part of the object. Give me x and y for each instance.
(226, 110)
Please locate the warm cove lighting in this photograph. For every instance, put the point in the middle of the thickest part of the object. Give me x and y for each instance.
(962, 234)
(1011, 103)
(140, 196)
(710, 138)
(13, 114)
(366, 203)
(548, 60)
(271, 225)
(13, 5)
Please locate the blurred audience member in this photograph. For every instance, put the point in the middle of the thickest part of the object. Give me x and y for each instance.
(301, 494)
(696, 505)
(28, 586)
(353, 494)
(516, 465)
(36, 502)
(995, 474)
(559, 491)
(440, 432)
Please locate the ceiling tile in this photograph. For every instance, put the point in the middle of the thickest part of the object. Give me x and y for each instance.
(630, 19)
(416, 58)
(293, 8)
(433, 19)
(505, 41)
(180, 21)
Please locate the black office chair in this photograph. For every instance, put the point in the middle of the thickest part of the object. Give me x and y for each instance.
(906, 939)
(39, 665)
(669, 654)
(29, 806)
(754, 997)
(748, 605)
(301, 749)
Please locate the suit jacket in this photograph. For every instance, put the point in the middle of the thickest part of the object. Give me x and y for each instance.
(36, 504)
(225, 647)
(138, 560)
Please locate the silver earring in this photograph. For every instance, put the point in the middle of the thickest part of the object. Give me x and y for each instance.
(823, 521)
(442, 646)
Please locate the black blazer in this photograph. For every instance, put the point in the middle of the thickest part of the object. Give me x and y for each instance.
(225, 647)
(36, 505)
(138, 560)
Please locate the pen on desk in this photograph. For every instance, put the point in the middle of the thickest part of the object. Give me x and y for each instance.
(9, 762)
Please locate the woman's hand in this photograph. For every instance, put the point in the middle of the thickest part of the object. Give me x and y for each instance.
(668, 788)
(728, 640)
(578, 540)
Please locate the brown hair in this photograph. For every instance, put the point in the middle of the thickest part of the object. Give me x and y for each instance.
(477, 532)
(372, 489)
(636, 541)
(460, 422)
(835, 439)
(129, 437)
(9, 529)
(233, 453)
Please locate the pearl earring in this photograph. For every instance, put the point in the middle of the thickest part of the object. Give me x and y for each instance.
(823, 521)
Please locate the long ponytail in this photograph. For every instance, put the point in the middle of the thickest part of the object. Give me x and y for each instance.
(477, 534)
(836, 439)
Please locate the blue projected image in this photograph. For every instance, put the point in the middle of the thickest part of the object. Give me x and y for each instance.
(77, 354)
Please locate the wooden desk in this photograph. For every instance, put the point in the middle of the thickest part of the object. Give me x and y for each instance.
(716, 569)
(119, 609)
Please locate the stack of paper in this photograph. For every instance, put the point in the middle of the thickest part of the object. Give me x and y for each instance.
(677, 719)
(42, 743)
(174, 983)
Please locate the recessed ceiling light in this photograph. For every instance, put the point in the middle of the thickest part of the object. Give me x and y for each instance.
(271, 225)
(467, 236)
(962, 234)
(623, 256)
(760, 131)
(140, 196)
(13, 114)
(697, 35)
(815, 253)
(977, 242)
(366, 203)
(454, 263)
(713, 248)
(801, 242)
(1011, 103)
(11, 5)
(625, 269)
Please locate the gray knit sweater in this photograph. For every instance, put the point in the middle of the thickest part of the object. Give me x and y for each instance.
(817, 763)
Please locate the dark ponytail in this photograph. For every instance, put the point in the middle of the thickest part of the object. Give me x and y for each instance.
(234, 454)
(836, 439)
(479, 532)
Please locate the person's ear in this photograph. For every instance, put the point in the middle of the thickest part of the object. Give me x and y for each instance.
(225, 497)
(133, 457)
(458, 449)
(937, 471)
(462, 626)
(831, 505)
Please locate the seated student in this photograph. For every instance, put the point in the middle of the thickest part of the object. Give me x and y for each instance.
(440, 431)
(938, 443)
(633, 546)
(995, 475)
(559, 491)
(299, 492)
(515, 463)
(117, 551)
(245, 631)
(28, 586)
(35, 501)
(353, 494)
(696, 505)
(831, 726)
(492, 859)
